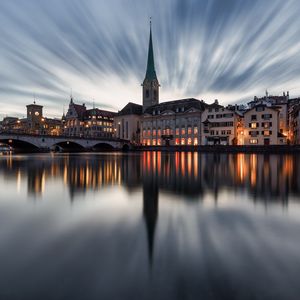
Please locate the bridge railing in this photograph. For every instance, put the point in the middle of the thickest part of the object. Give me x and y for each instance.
(16, 134)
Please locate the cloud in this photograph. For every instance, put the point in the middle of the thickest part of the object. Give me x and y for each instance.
(209, 49)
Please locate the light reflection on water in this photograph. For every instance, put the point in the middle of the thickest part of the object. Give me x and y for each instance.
(149, 225)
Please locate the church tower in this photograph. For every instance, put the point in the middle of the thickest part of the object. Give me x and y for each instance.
(150, 84)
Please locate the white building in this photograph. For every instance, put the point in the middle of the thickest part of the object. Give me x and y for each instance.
(221, 126)
(261, 126)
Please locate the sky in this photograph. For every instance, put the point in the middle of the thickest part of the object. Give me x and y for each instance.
(230, 50)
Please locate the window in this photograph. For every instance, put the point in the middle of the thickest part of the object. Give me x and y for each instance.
(195, 141)
(189, 130)
(177, 131)
(267, 116)
(158, 142)
(260, 108)
(228, 131)
(183, 130)
(253, 117)
(266, 132)
(154, 132)
(223, 132)
(254, 125)
(195, 129)
(253, 141)
(147, 93)
(154, 142)
(182, 141)
(177, 141)
(210, 116)
(158, 132)
(189, 141)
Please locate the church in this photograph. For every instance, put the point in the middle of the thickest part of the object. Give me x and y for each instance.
(153, 123)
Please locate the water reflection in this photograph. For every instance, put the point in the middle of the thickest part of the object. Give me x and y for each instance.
(191, 252)
(264, 177)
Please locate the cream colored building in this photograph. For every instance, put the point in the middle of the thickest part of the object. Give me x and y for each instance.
(261, 126)
(221, 126)
(172, 123)
(127, 123)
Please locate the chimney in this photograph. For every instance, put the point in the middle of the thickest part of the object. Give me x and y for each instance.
(288, 94)
(283, 94)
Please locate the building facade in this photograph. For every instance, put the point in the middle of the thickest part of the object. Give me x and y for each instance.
(261, 126)
(93, 123)
(221, 126)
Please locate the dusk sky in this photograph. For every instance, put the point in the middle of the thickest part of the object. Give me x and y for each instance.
(229, 50)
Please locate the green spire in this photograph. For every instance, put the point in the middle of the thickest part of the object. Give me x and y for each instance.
(150, 73)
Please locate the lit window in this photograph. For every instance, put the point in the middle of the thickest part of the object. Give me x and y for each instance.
(195, 141)
(148, 142)
(182, 141)
(158, 142)
(158, 132)
(189, 141)
(195, 130)
(177, 141)
(253, 125)
(183, 130)
(154, 132)
(189, 130)
(253, 141)
(267, 132)
(154, 142)
(177, 131)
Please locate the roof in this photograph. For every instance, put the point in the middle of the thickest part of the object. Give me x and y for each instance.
(131, 109)
(262, 105)
(80, 109)
(150, 72)
(100, 112)
(175, 104)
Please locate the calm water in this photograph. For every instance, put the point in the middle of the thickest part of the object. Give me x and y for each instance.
(150, 226)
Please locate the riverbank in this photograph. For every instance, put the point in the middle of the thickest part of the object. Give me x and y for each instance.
(224, 149)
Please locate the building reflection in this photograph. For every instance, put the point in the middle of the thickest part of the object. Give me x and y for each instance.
(264, 177)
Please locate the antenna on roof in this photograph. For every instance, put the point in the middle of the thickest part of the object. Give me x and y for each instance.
(71, 96)
(93, 103)
(34, 98)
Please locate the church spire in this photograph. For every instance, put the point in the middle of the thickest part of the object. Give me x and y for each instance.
(150, 72)
(150, 84)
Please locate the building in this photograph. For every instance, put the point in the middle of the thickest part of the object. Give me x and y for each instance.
(176, 122)
(172, 123)
(82, 122)
(221, 126)
(128, 123)
(34, 123)
(261, 126)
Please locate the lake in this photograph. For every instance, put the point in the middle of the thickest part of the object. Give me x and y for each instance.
(149, 225)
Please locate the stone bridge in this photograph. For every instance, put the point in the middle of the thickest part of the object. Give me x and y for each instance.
(47, 143)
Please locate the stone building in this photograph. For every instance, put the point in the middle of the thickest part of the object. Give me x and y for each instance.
(261, 126)
(34, 123)
(221, 126)
(82, 122)
(172, 123)
(128, 123)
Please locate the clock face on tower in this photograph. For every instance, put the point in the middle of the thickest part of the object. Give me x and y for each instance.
(37, 113)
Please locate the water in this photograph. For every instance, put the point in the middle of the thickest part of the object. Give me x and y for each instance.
(150, 226)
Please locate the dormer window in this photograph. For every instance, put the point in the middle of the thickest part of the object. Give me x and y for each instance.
(147, 93)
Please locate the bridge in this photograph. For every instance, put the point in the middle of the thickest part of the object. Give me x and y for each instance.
(27, 142)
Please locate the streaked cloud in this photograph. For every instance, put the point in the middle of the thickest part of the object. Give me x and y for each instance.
(225, 49)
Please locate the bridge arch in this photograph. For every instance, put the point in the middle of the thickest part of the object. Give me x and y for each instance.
(103, 146)
(20, 145)
(68, 146)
